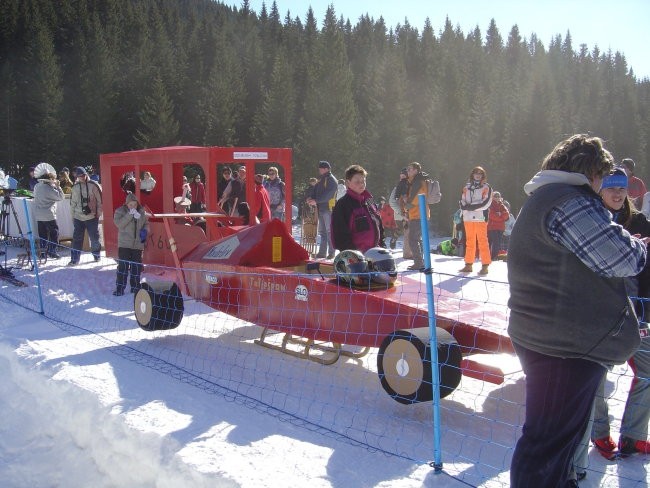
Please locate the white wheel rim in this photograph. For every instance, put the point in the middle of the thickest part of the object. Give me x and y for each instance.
(403, 367)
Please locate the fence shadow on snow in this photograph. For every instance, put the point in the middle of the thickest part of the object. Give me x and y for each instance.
(219, 352)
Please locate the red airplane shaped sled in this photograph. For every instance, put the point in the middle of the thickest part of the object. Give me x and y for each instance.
(262, 275)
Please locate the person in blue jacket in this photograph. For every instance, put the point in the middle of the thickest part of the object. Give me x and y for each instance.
(323, 198)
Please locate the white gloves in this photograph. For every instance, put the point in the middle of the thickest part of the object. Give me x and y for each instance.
(135, 213)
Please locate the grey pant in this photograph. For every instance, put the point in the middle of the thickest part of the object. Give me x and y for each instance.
(637, 408)
(415, 242)
(325, 231)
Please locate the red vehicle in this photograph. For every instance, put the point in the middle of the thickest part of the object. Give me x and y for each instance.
(260, 274)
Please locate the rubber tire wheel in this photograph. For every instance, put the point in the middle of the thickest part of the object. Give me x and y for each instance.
(404, 365)
(158, 306)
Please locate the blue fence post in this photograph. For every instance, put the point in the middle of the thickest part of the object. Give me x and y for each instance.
(433, 337)
(30, 235)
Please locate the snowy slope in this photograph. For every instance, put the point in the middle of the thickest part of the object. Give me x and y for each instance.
(108, 420)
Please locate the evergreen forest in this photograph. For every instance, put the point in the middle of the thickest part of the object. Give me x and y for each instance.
(84, 77)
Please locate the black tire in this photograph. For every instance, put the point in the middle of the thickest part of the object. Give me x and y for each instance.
(404, 365)
(158, 306)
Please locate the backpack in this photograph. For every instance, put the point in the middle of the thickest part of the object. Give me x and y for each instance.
(433, 192)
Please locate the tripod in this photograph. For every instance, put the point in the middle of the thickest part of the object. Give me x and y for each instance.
(6, 238)
(6, 206)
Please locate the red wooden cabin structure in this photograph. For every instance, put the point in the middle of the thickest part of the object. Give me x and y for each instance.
(168, 165)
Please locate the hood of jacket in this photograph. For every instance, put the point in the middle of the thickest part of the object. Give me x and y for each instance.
(549, 176)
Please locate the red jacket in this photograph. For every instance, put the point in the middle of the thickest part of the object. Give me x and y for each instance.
(387, 215)
(198, 192)
(498, 216)
(261, 206)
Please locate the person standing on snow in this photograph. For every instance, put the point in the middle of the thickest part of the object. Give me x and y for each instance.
(133, 228)
(322, 195)
(86, 208)
(475, 202)
(570, 314)
(388, 221)
(355, 221)
(46, 193)
(634, 424)
(396, 202)
(416, 185)
(497, 219)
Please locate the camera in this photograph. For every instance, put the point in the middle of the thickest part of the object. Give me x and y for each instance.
(86, 210)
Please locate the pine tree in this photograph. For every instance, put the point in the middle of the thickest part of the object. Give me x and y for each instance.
(95, 129)
(329, 128)
(222, 98)
(43, 97)
(159, 127)
(274, 123)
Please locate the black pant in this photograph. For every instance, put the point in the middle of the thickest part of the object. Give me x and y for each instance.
(494, 238)
(48, 231)
(128, 259)
(559, 396)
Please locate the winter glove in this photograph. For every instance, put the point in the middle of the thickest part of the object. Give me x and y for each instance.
(136, 214)
(143, 235)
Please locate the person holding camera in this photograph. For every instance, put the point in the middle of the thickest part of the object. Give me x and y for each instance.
(86, 207)
(133, 229)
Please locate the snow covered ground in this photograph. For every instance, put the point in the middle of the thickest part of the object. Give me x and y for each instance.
(109, 419)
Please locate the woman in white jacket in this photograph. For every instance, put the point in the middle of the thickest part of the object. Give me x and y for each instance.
(475, 202)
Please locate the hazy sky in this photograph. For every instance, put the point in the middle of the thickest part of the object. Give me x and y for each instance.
(619, 25)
